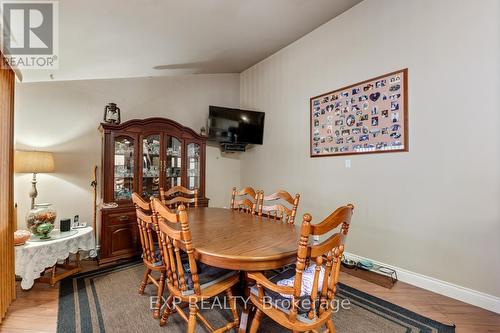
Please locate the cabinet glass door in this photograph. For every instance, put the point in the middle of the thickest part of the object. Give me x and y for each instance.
(193, 166)
(173, 172)
(151, 166)
(124, 168)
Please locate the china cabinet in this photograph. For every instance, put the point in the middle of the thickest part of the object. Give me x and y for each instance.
(142, 156)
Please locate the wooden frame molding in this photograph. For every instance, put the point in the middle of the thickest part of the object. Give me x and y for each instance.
(403, 92)
(7, 274)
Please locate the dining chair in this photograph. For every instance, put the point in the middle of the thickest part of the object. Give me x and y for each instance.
(271, 207)
(190, 283)
(178, 195)
(244, 200)
(303, 300)
(150, 251)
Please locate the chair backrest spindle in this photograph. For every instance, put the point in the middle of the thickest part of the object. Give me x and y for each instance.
(147, 229)
(245, 200)
(326, 257)
(278, 211)
(179, 195)
(175, 237)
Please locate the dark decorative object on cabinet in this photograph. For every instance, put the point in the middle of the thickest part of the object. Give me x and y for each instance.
(143, 156)
(112, 114)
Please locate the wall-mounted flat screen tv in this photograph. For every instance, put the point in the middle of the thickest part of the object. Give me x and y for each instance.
(226, 125)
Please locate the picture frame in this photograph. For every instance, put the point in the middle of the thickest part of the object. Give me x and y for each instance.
(363, 118)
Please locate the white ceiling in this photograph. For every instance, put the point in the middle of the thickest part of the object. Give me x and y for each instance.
(125, 38)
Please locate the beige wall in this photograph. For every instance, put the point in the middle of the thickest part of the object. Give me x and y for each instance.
(63, 117)
(434, 210)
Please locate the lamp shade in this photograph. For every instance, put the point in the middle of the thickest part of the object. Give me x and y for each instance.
(33, 162)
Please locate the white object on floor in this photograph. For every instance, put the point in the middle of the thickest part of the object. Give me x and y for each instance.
(34, 257)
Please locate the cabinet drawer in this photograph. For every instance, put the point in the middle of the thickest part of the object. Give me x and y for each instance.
(119, 218)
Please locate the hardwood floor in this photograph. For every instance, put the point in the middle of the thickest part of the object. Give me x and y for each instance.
(36, 310)
(467, 318)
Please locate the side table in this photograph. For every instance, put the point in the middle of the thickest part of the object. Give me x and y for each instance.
(33, 258)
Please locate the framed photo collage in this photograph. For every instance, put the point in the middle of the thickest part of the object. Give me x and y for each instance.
(366, 117)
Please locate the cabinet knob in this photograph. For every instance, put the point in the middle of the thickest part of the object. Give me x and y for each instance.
(124, 218)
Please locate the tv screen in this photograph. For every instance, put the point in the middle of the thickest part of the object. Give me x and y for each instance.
(235, 125)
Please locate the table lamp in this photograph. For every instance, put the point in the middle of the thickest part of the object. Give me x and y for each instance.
(33, 162)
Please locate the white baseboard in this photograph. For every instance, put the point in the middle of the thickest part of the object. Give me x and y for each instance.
(477, 298)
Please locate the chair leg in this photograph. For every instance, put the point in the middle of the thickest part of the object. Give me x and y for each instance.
(161, 286)
(144, 281)
(256, 321)
(167, 311)
(192, 318)
(330, 326)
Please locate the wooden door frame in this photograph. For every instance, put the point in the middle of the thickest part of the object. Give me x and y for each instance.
(7, 223)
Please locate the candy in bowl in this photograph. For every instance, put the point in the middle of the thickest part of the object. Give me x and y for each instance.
(41, 214)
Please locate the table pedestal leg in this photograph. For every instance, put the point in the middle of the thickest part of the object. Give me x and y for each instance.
(246, 313)
(246, 318)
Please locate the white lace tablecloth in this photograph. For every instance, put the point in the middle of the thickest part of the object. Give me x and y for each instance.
(33, 257)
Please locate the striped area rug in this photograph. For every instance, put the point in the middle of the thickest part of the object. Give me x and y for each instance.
(107, 301)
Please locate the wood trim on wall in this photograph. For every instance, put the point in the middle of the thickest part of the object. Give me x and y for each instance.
(467, 295)
(7, 274)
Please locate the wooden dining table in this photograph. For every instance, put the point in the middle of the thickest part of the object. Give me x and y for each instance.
(234, 240)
